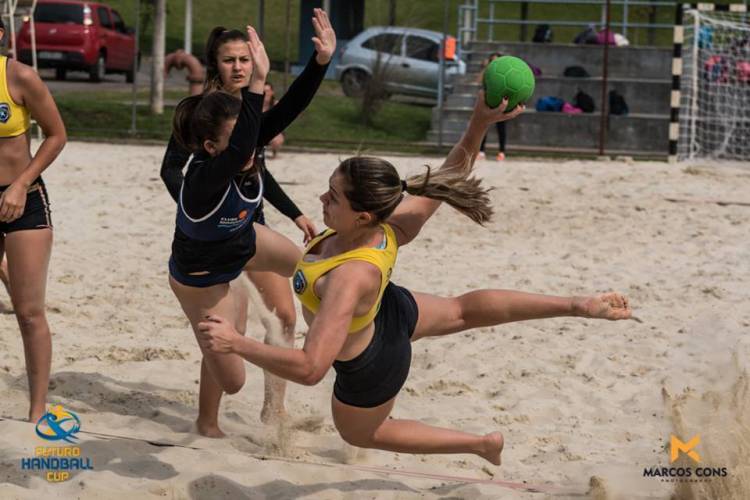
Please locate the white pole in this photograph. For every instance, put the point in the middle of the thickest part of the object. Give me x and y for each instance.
(157, 61)
(189, 26)
(12, 22)
(32, 29)
(694, 85)
(467, 27)
(136, 50)
(491, 27)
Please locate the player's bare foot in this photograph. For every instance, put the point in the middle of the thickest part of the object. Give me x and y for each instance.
(492, 447)
(611, 306)
(210, 430)
(36, 414)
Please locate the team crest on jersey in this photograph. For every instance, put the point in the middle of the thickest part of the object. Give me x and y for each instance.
(4, 112)
(299, 282)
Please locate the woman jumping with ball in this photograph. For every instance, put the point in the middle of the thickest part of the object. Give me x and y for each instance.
(363, 325)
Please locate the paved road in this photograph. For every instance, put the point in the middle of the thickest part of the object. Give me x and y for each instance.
(77, 81)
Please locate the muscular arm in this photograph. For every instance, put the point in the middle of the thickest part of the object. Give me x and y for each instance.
(414, 211)
(347, 286)
(296, 99)
(41, 105)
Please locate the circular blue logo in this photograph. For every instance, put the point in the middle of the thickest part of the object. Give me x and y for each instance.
(299, 282)
(4, 112)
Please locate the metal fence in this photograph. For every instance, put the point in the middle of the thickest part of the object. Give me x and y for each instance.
(484, 26)
(477, 19)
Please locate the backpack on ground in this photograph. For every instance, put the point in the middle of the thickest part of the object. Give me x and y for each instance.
(534, 69)
(584, 101)
(542, 34)
(549, 103)
(586, 37)
(576, 72)
(617, 104)
(570, 109)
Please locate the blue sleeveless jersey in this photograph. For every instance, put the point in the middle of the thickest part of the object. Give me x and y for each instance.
(233, 213)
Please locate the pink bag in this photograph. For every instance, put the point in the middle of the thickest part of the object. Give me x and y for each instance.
(601, 37)
(743, 71)
(570, 109)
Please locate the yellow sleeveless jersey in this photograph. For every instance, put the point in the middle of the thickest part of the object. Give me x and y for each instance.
(14, 119)
(307, 273)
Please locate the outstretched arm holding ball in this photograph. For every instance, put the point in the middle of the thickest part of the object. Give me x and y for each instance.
(510, 77)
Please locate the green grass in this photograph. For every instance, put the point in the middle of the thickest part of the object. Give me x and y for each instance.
(237, 13)
(338, 118)
(329, 117)
(426, 14)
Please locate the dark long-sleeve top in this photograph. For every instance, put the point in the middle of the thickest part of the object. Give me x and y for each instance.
(272, 122)
(208, 176)
(207, 180)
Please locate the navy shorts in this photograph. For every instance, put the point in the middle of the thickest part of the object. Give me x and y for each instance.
(201, 280)
(377, 374)
(36, 213)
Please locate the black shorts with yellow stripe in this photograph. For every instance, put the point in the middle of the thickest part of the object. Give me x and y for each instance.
(36, 213)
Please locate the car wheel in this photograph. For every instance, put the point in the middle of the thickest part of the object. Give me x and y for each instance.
(130, 76)
(354, 82)
(60, 73)
(98, 70)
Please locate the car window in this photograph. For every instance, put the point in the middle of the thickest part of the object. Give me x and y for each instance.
(389, 43)
(59, 13)
(119, 23)
(104, 17)
(425, 49)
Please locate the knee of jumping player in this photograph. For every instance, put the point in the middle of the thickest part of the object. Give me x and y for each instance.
(359, 439)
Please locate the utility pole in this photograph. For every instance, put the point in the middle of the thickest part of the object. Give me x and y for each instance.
(157, 61)
(189, 26)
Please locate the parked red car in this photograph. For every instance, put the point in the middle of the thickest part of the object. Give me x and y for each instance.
(79, 36)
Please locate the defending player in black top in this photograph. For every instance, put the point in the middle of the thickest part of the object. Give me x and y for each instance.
(213, 241)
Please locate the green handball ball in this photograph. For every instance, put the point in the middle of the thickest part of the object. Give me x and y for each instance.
(510, 77)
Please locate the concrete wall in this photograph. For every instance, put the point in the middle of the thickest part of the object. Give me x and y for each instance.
(641, 75)
(626, 62)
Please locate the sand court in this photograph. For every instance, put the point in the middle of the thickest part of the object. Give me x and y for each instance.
(574, 398)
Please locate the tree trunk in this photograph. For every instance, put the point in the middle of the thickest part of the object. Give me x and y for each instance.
(287, 43)
(157, 58)
(391, 12)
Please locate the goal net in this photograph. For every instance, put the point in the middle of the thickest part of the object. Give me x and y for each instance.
(715, 86)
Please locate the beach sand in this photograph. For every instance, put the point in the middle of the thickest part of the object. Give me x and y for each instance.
(574, 398)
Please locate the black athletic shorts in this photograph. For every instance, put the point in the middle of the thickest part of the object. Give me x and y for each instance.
(36, 213)
(377, 374)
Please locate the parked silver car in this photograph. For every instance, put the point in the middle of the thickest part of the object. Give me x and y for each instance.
(408, 58)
